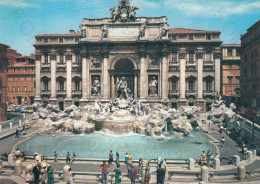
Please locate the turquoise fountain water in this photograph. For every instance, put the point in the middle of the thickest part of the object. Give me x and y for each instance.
(98, 145)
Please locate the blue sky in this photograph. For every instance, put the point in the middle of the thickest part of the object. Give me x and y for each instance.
(21, 20)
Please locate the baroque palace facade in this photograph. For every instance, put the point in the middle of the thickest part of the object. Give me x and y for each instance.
(175, 66)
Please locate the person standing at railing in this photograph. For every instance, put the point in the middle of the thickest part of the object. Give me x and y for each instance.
(140, 163)
(110, 158)
(104, 169)
(126, 158)
(55, 156)
(129, 167)
(133, 174)
(50, 172)
(117, 174)
(117, 158)
(68, 157)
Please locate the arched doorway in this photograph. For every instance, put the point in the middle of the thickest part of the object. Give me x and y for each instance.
(124, 68)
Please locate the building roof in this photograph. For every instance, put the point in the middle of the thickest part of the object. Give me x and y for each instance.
(5, 45)
(254, 25)
(188, 31)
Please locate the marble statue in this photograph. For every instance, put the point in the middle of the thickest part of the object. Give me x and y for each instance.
(142, 31)
(122, 89)
(105, 31)
(153, 87)
(115, 13)
(165, 30)
(83, 31)
(96, 87)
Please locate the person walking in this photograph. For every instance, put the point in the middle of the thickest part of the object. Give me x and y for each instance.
(55, 156)
(70, 177)
(160, 175)
(17, 133)
(147, 176)
(133, 174)
(117, 174)
(223, 141)
(126, 158)
(117, 158)
(203, 158)
(140, 164)
(104, 170)
(208, 157)
(44, 175)
(110, 158)
(50, 172)
(37, 172)
(130, 157)
(73, 157)
(129, 167)
(68, 157)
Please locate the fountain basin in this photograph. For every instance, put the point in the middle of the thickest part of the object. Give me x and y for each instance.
(98, 145)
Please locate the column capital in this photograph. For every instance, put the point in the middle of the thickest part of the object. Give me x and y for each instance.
(217, 55)
(182, 55)
(68, 56)
(199, 55)
(165, 53)
(143, 54)
(85, 54)
(53, 56)
(105, 53)
(38, 57)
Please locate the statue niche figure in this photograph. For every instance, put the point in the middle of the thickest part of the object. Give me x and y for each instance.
(153, 87)
(142, 31)
(165, 30)
(96, 87)
(122, 89)
(83, 31)
(105, 31)
(115, 13)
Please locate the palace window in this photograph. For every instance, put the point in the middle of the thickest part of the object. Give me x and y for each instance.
(46, 59)
(191, 85)
(208, 56)
(208, 85)
(25, 88)
(18, 88)
(77, 58)
(229, 79)
(45, 40)
(61, 40)
(174, 85)
(238, 80)
(76, 39)
(61, 58)
(46, 85)
(253, 70)
(61, 85)
(77, 86)
(229, 52)
(238, 52)
(191, 57)
(13, 88)
(174, 37)
(190, 37)
(208, 37)
(174, 57)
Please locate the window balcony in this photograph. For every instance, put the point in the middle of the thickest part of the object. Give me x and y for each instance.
(46, 65)
(174, 64)
(174, 93)
(208, 63)
(208, 92)
(191, 93)
(77, 93)
(46, 92)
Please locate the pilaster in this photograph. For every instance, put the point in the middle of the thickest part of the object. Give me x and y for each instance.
(38, 78)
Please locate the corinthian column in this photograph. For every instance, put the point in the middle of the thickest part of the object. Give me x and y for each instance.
(182, 57)
(164, 74)
(68, 80)
(105, 76)
(38, 78)
(53, 77)
(199, 56)
(84, 77)
(217, 57)
(143, 76)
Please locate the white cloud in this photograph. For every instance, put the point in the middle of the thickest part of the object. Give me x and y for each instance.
(217, 8)
(17, 3)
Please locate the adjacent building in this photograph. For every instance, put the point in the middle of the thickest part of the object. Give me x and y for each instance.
(175, 66)
(250, 66)
(21, 80)
(230, 72)
(3, 81)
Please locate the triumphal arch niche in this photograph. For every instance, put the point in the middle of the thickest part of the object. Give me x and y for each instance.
(130, 48)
